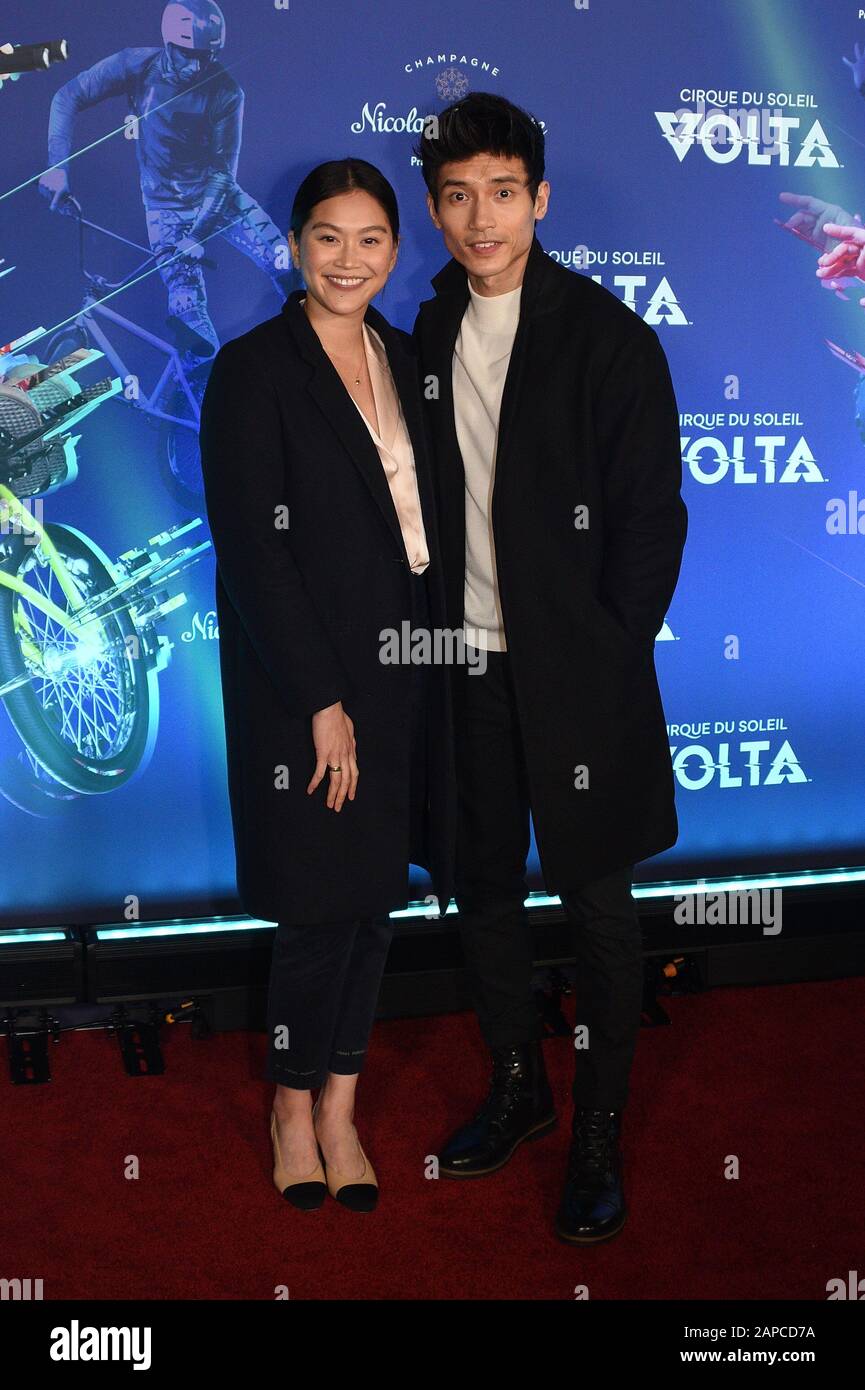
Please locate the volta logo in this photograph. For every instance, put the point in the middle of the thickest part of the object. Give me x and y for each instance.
(697, 766)
(684, 129)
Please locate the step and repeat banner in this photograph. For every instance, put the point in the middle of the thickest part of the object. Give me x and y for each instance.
(697, 153)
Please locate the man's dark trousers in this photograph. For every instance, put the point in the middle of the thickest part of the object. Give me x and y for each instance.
(492, 846)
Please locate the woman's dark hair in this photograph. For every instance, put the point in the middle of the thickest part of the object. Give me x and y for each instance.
(343, 176)
(482, 123)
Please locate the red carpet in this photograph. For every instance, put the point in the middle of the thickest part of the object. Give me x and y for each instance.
(771, 1075)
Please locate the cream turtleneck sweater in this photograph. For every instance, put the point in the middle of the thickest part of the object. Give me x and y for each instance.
(481, 357)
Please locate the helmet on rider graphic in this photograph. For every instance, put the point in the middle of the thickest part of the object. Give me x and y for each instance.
(195, 24)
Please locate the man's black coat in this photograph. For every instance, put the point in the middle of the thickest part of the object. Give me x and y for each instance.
(300, 611)
(588, 420)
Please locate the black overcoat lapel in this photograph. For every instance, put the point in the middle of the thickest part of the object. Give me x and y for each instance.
(339, 410)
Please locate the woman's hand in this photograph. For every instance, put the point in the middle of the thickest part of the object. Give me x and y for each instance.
(335, 746)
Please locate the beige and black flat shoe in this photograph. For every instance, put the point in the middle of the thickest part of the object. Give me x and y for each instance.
(358, 1194)
(307, 1194)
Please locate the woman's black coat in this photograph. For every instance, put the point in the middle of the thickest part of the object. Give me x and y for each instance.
(588, 420)
(311, 566)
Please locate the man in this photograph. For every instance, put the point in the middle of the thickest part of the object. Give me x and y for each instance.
(189, 117)
(558, 468)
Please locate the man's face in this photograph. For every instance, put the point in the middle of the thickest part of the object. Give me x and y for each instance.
(487, 217)
(189, 62)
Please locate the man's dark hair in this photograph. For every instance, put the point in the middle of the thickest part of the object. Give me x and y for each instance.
(482, 123)
(343, 176)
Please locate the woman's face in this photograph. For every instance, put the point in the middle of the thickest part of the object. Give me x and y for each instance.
(346, 251)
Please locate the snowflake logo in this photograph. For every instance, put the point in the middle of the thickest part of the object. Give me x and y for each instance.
(451, 84)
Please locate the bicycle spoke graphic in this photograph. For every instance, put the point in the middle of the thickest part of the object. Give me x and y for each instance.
(81, 684)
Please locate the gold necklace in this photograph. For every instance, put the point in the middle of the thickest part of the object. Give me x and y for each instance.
(362, 350)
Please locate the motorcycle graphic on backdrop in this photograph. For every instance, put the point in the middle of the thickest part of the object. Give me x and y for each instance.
(80, 650)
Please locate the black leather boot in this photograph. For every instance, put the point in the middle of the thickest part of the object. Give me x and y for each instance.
(519, 1105)
(593, 1203)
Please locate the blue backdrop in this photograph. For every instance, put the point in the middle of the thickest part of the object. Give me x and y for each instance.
(761, 658)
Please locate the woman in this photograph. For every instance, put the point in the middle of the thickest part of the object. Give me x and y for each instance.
(340, 765)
